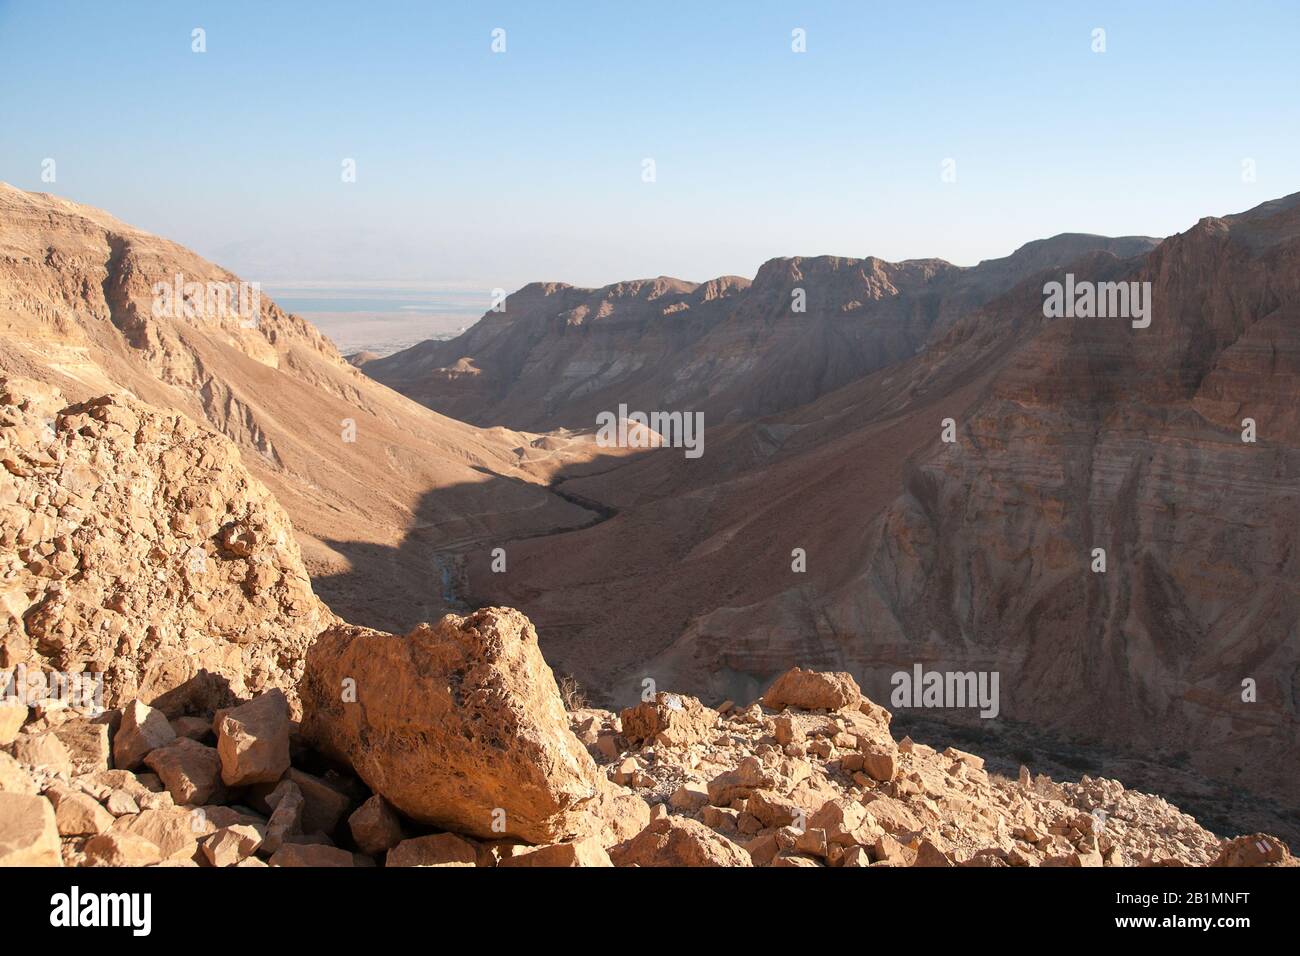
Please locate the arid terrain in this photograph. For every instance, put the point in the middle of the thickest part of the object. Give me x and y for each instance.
(230, 522)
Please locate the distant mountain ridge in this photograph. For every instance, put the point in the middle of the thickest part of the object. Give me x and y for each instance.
(730, 347)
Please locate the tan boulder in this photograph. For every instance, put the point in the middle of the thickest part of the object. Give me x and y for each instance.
(87, 743)
(844, 821)
(432, 850)
(43, 751)
(375, 826)
(458, 725)
(175, 832)
(143, 729)
(310, 855)
(748, 776)
(689, 798)
(969, 759)
(120, 803)
(194, 727)
(231, 845)
(29, 835)
(190, 771)
(120, 849)
(784, 729)
(133, 496)
(679, 841)
(253, 740)
(586, 852)
(893, 815)
(880, 765)
(611, 816)
(812, 842)
(888, 850)
(812, 690)
(787, 858)
(287, 803)
(78, 814)
(673, 720)
(1259, 849)
(927, 854)
(13, 778)
(772, 809)
(13, 714)
(324, 805)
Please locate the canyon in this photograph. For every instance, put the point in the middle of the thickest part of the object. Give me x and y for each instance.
(828, 526)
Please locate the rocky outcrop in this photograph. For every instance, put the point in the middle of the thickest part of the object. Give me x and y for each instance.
(457, 725)
(135, 545)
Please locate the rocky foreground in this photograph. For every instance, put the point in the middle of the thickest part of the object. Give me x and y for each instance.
(237, 722)
(451, 747)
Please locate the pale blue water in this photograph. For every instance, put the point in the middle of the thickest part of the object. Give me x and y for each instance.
(382, 319)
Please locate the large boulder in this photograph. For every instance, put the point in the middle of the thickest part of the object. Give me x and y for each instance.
(812, 690)
(458, 725)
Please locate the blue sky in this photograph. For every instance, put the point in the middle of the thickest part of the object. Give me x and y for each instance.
(496, 169)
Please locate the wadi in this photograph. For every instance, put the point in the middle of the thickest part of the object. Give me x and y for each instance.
(414, 612)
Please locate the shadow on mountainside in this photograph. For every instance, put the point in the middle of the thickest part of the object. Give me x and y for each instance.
(395, 588)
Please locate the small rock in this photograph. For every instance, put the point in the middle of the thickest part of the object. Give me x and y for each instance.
(310, 854)
(253, 740)
(142, 730)
(432, 850)
(78, 814)
(120, 849)
(586, 852)
(29, 835)
(231, 845)
(13, 714)
(190, 771)
(375, 826)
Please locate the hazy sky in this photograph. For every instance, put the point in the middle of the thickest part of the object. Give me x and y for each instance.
(499, 168)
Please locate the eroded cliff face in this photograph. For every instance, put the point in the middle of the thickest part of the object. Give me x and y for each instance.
(556, 355)
(1099, 435)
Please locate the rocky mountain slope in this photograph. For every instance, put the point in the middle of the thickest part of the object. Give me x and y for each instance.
(557, 355)
(357, 466)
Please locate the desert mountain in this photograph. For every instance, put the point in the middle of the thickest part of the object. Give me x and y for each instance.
(359, 468)
(557, 355)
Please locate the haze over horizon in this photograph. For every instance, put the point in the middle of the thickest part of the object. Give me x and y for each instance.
(533, 169)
